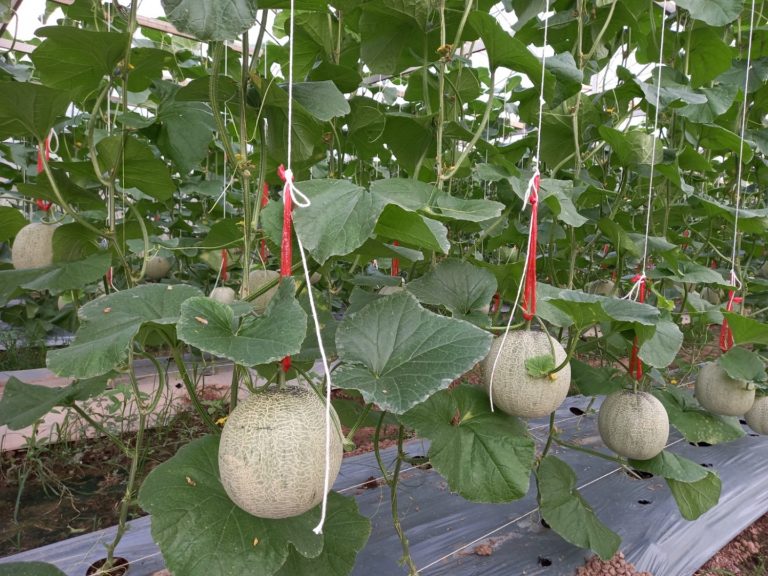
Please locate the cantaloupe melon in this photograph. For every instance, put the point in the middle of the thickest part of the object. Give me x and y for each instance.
(257, 279)
(721, 394)
(710, 295)
(223, 294)
(514, 390)
(33, 246)
(633, 424)
(158, 267)
(601, 287)
(272, 452)
(757, 416)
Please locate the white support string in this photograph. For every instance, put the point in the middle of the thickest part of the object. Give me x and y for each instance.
(734, 280)
(302, 201)
(526, 199)
(640, 279)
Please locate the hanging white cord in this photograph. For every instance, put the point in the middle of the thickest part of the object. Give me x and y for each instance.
(531, 184)
(734, 280)
(639, 280)
(303, 202)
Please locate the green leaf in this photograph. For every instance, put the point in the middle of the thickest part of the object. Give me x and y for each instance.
(713, 12)
(139, 167)
(29, 569)
(390, 33)
(200, 531)
(412, 229)
(11, 221)
(409, 137)
(563, 508)
(485, 456)
(661, 349)
(73, 241)
(109, 325)
(457, 285)
(211, 19)
(186, 131)
(341, 218)
(69, 275)
(540, 366)
(709, 55)
(671, 466)
(619, 237)
(743, 364)
(28, 109)
(397, 354)
(747, 330)
(321, 99)
(594, 381)
(24, 404)
(695, 423)
(345, 533)
(75, 60)
(695, 498)
(248, 340)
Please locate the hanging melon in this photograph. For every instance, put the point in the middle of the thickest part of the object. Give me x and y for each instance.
(223, 294)
(389, 290)
(257, 279)
(515, 391)
(633, 424)
(601, 287)
(710, 295)
(158, 267)
(721, 394)
(272, 452)
(33, 246)
(757, 416)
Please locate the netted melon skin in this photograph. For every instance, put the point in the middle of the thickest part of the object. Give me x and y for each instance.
(257, 279)
(389, 290)
(633, 424)
(601, 287)
(223, 294)
(272, 453)
(514, 390)
(33, 246)
(721, 394)
(757, 416)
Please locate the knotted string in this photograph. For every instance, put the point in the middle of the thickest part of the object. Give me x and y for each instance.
(726, 334)
(529, 292)
(395, 271)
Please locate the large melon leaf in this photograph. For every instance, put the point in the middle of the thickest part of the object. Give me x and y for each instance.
(671, 466)
(11, 221)
(457, 285)
(200, 531)
(248, 340)
(345, 533)
(695, 498)
(139, 166)
(211, 19)
(23, 404)
(397, 354)
(28, 109)
(695, 423)
(340, 219)
(485, 456)
(747, 330)
(29, 569)
(109, 324)
(563, 508)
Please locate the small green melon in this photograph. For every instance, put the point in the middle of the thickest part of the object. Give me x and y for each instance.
(721, 394)
(272, 452)
(223, 294)
(757, 416)
(33, 246)
(158, 267)
(633, 424)
(514, 390)
(601, 287)
(257, 279)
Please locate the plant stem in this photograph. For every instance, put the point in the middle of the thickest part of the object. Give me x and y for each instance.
(100, 428)
(359, 422)
(589, 451)
(550, 437)
(406, 558)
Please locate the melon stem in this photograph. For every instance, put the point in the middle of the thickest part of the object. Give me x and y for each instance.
(578, 448)
(551, 437)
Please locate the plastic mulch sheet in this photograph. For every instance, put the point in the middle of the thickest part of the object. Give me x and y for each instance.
(445, 530)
